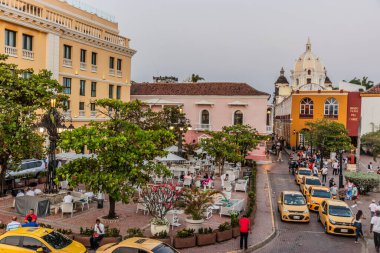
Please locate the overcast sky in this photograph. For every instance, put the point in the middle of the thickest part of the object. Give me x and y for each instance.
(248, 40)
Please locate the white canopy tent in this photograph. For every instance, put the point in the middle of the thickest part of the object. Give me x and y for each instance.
(171, 158)
(172, 149)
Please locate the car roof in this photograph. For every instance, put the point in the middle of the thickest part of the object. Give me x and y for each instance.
(336, 202)
(292, 192)
(317, 187)
(29, 160)
(311, 177)
(303, 168)
(140, 242)
(33, 231)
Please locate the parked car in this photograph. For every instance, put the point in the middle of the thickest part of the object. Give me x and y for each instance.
(137, 244)
(315, 195)
(300, 173)
(293, 207)
(26, 240)
(28, 168)
(308, 181)
(336, 217)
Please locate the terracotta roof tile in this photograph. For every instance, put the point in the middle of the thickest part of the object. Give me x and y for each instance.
(374, 90)
(200, 89)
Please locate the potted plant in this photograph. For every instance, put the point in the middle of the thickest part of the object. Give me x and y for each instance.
(42, 177)
(195, 202)
(163, 237)
(159, 199)
(185, 238)
(235, 224)
(2, 228)
(67, 232)
(112, 235)
(134, 232)
(206, 236)
(84, 236)
(224, 232)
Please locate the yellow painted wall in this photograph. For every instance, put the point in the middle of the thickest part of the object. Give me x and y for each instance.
(39, 46)
(319, 100)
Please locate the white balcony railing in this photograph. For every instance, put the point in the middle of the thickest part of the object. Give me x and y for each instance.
(111, 72)
(203, 127)
(11, 51)
(269, 129)
(94, 68)
(93, 114)
(83, 66)
(119, 73)
(67, 62)
(82, 113)
(67, 114)
(27, 54)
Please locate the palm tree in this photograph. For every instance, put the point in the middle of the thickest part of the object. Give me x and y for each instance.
(363, 82)
(195, 78)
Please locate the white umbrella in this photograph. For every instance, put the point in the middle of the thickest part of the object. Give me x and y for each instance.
(170, 158)
(200, 151)
(172, 149)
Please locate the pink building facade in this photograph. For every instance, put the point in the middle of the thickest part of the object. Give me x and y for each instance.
(208, 106)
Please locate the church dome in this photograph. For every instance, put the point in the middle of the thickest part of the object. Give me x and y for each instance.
(308, 62)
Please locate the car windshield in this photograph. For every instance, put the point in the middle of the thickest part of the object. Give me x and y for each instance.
(341, 211)
(56, 240)
(304, 172)
(294, 199)
(321, 193)
(163, 248)
(310, 181)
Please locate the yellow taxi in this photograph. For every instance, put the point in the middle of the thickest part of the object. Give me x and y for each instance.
(300, 173)
(137, 244)
(308, 181)
(336, 217)
(315, 195)
(293, 207)
(31, 240)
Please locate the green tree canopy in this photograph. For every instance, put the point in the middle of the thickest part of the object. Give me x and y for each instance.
(328, 136)
(372, 142)
(23, 94)
(125, 147)
(196, 78)
(244, 136)
(363, 82)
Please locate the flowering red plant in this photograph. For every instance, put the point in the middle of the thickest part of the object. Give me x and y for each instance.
(159, 199)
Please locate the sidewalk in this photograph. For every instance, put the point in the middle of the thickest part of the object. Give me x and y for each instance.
(262, 231)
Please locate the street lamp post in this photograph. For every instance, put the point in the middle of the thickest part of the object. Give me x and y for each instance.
(341, 168)
(296, 135)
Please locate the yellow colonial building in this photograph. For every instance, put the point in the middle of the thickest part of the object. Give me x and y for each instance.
(79, 44)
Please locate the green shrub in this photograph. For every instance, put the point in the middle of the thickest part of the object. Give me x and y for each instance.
(365, 182)
(161, 235)
(86, 231)
(234, 219)
(65, 231)
(224, 226)
(43, 225)
(3, 226)
(205, 230)
(185, 233)
(111, 232)
(134, 232)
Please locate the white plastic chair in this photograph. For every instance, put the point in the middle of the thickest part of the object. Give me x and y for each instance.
(67, 208)
(85, 201)
(173, 220)
(208, 213)
(142, 207)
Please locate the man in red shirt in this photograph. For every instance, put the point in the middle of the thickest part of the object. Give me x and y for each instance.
(31, 214)
(245, 227)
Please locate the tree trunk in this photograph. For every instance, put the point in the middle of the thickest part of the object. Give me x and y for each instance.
(111, 212)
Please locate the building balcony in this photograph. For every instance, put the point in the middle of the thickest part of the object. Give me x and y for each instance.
(111, 72)
(202, 127)
(329, 116)
(11, 51)
(306, 116)
(67, 63)
(83, 66)
(93, 114)
(94, 68)
(27, 54)
(82, 113)
(119, 73)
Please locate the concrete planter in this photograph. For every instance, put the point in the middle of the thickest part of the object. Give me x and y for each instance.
(206, 239)
(187, 242)
(155, 229)
(166, 240)
(194, 224)
(224, 235)
(85, 240)
(235, 232)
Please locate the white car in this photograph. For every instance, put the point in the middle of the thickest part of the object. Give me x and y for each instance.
(29, 168)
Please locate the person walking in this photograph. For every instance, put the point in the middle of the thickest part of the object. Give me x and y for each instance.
(334, 191)
(375, 228)
(280, 156)
(372, 207)
(245, 227)
(335, 167)
(370, 167)
(14, 224)
(98, 235)
(358, 225)
(324, 175)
